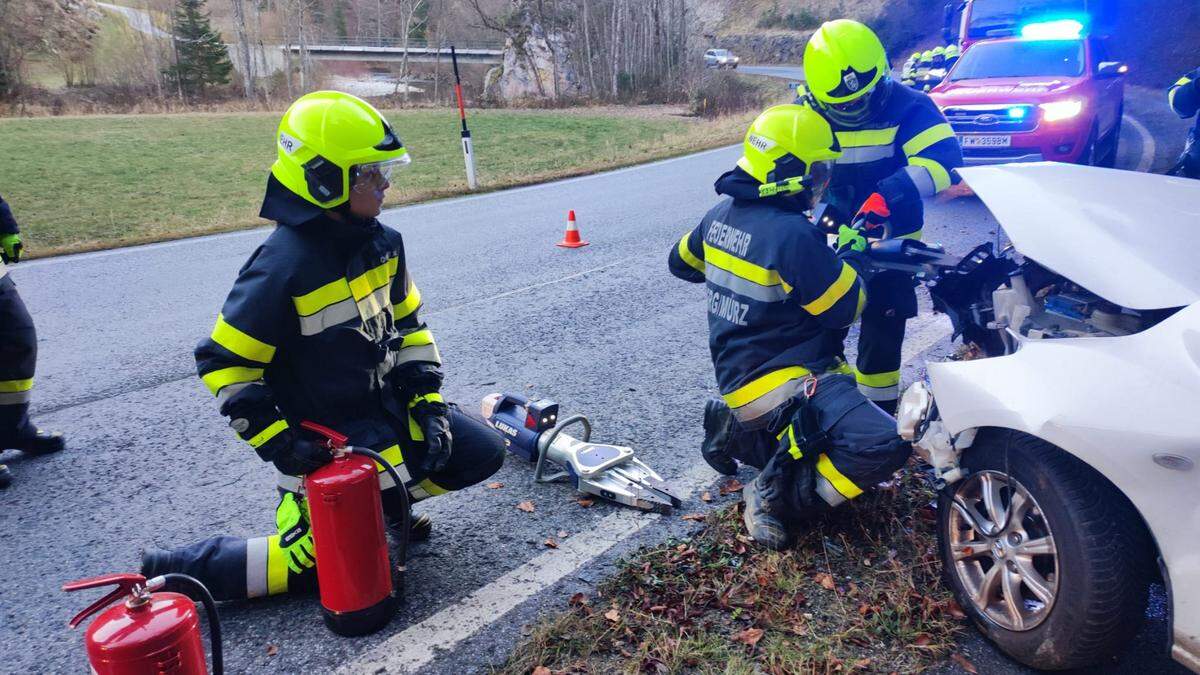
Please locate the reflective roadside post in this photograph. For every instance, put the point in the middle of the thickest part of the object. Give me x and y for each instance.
(468, 149)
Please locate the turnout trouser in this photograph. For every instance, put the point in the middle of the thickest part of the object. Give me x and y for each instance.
(891, 303)
(18, 356)
(235, 568)
(832, 450)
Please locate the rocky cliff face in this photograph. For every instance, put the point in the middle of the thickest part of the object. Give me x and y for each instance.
(536, 65)
(757, 30)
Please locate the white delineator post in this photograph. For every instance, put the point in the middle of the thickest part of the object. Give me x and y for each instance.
(468, 148)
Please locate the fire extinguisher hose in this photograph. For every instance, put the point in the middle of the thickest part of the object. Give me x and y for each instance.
(405, 509)
(210, 608)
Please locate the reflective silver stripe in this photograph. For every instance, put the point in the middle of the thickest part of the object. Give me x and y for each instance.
(865, 155)
(829, 493)
(768, 401)
(289, 483)
(370, 306)
(337, 313)
(428, 353)
(418, 492)
(256, 567)
(922, 179)
(229, 390)
(880, 393)
(731, 281)
(385, 479)
(3, 269)
(16, 397)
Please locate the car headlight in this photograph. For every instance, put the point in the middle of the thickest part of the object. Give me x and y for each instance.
(1058, 111)
(913, 411)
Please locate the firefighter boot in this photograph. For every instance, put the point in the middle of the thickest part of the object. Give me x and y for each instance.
(762, 517)
(5, 476)
(419, 528)
(718, 422)
(42, 443)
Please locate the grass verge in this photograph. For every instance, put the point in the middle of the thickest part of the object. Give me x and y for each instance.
(85, 183)
(860, 592)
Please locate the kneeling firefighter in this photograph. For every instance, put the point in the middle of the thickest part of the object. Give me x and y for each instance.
(779, 300)
(898, 150)
(322, 325)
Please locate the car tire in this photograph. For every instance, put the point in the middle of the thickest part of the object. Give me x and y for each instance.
(1112, 144)
(1097, 575)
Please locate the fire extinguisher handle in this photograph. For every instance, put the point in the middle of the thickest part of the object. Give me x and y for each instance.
(333, 439)
(125, 585)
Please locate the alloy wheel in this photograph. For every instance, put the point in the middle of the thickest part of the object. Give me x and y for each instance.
(1008, 565)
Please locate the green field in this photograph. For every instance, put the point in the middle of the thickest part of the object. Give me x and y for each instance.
(80, 183)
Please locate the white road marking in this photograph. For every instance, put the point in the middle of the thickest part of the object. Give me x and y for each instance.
(416, 646)
(922, 333)
(419, 644)
(523, 289)
(1149, 148)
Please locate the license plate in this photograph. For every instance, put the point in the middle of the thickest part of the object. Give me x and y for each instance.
(985, 141)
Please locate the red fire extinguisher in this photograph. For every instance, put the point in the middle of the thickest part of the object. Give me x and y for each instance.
(149, 633)
(360, 590)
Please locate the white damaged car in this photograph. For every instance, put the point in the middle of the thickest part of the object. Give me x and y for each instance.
(1067, 456)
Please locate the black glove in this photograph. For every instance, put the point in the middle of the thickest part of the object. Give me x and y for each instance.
(435, 424)
(301, 457)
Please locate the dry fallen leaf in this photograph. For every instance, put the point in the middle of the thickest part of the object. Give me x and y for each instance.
(577, 600)
(864, 609)
(964, 663)
(495, 486)
(862, 663)
(272, 650)
(550, 543)
(826, 581)
(526, 506)
(730, 486)
(695, 516)
(613, 615)
(706, 497)
(658, 608)
(750, 636)
(923, 640)
(954, 610)
(585, 501)
(541, 670)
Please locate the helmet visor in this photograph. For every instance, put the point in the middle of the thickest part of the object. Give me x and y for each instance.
(376, 175)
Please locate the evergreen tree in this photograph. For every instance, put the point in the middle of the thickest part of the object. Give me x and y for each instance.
(201, 59)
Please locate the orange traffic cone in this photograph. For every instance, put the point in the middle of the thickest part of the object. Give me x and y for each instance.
(571, 237)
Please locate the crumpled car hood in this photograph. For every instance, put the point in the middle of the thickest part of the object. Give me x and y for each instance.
(1131, 238)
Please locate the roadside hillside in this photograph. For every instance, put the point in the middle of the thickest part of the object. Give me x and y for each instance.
(775, 31)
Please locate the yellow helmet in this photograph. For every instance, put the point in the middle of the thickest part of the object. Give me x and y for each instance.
(847, 71)
(784, 145)
(325, 139)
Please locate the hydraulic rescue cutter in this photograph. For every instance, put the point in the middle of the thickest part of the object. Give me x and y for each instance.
(533, 431)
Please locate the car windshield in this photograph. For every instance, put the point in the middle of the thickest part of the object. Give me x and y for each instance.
(1021, 58)
(719, 52)
(994, 18)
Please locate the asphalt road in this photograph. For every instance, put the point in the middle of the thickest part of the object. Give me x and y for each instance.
(604, 330)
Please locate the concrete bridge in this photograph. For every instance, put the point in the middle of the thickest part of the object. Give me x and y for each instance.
(388, 49)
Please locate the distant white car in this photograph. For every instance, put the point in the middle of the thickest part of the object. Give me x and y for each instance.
(1068, 459)
(720, 58)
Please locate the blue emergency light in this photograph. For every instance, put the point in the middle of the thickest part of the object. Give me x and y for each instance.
(1058, 29)
(1018, 113)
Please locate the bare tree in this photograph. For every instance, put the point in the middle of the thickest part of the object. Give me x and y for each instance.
(243, 36)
